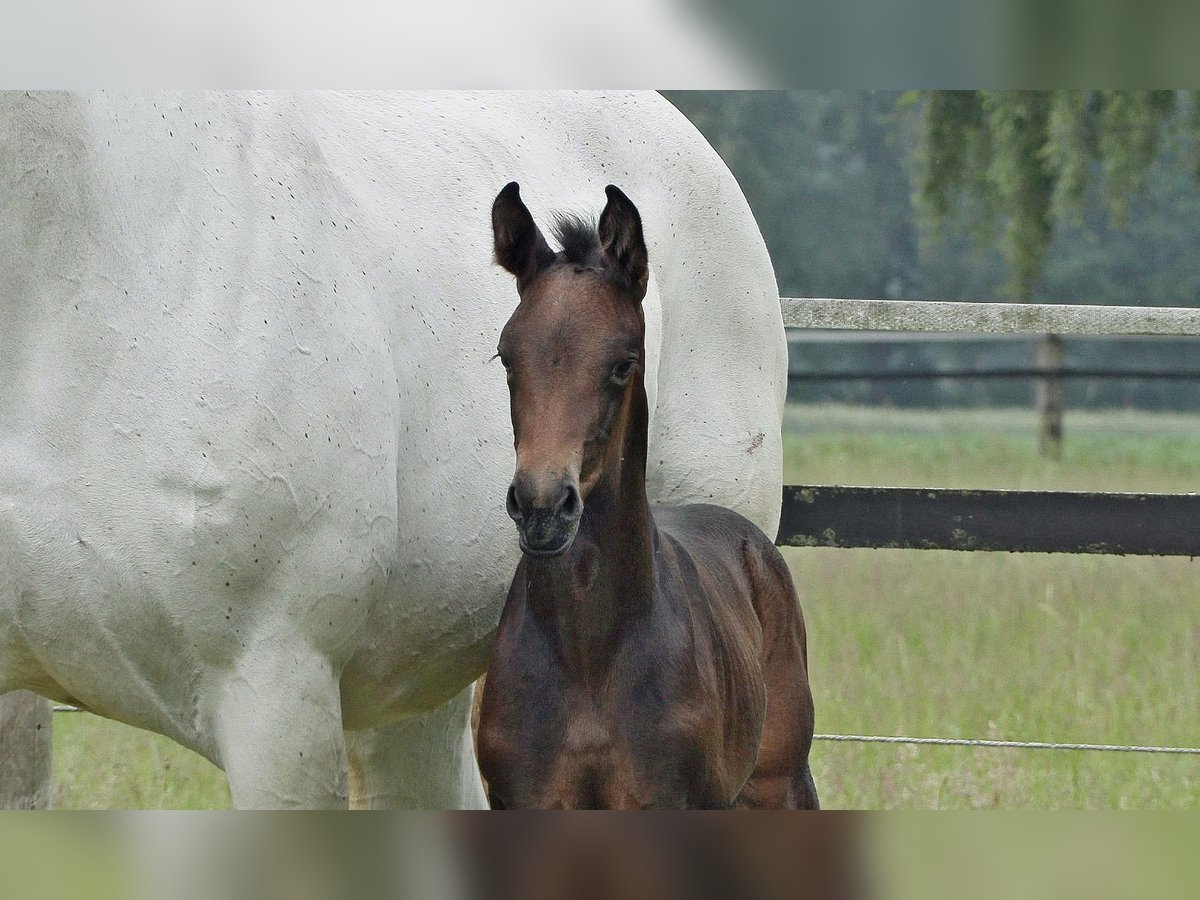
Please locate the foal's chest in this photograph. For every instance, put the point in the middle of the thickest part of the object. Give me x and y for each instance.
(614, 759)
(598, 765)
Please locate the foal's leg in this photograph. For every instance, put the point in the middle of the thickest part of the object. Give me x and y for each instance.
(781, 778)
(805, 791)
(278, 729)
(423, 762)
(779, 789)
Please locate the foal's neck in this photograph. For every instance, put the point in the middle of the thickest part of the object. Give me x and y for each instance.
(605, 582)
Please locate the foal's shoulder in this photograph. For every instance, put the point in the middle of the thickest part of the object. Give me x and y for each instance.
(715, 538)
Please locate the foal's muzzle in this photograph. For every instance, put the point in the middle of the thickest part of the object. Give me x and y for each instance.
(546, 511)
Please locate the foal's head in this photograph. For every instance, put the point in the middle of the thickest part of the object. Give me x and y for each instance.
(573, 352)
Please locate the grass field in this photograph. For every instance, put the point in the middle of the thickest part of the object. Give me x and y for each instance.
(1018, 646)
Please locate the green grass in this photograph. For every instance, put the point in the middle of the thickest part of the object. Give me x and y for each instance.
(1117, 451)
(1018, 646)
(1022, 647)
(100, 764)
(1091, 649)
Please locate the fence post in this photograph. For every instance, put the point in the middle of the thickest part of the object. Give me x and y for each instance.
(24, 751)
(1049, 396)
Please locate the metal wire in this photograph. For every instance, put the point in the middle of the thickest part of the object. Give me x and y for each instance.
(975, 374)
(1017, 745)
(946, 742)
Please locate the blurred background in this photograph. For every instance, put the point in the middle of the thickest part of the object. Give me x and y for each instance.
(598, 856)
(1046, 196)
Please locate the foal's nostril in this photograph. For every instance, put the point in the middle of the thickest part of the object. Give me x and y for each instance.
(547, 510)
(558, 500)
(571, 505)
(514, 510)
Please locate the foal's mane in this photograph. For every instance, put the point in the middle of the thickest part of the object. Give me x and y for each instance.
(580, 242)
(579, 239)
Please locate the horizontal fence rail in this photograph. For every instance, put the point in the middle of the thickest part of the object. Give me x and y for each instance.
(1007, 745)
(991, 318)
(1016, 521)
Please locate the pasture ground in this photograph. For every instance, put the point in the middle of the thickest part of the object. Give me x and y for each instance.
(1090, 649)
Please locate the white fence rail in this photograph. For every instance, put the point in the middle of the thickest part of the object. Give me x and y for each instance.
(988, 318)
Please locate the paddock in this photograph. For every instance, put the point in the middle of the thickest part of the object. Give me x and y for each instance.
(1107, 522)
(837, 527)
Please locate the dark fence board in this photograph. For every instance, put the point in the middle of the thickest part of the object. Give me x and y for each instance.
(1015, 521)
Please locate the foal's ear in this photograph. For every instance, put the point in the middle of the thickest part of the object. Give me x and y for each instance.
(622, 243)
(519, 244)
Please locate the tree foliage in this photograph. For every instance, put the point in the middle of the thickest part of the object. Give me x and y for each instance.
(832, 175)
(824, 173)
(1026, 159)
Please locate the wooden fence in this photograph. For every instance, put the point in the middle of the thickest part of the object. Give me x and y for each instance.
(24, 751)
(876, 516)
(989, 318)
(1015, 521)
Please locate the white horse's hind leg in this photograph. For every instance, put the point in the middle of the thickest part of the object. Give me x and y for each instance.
(278, 727)
(423, 762)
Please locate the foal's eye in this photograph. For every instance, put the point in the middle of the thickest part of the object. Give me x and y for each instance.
(622, 370)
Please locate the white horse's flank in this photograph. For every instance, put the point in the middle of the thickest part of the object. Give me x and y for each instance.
(253, 454)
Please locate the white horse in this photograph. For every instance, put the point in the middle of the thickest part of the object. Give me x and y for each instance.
(253, 454)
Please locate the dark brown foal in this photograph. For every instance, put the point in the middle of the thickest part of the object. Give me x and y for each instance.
(646, 657)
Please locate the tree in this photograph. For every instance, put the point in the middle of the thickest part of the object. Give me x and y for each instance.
(1025, 159)
(825, 174)
(831, 178)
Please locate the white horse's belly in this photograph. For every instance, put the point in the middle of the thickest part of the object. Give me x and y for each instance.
(152, 535)
(430, 633)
